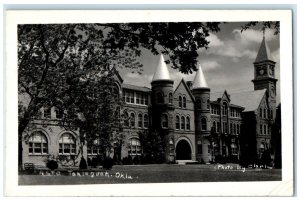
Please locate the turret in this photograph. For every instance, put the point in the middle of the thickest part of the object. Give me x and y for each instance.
(162, 96)
(201, 92)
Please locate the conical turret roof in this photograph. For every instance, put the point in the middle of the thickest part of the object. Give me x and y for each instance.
(199, 80)
(263, 52)
(162, 72)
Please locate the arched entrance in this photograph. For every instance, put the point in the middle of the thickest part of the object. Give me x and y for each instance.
(183, 151)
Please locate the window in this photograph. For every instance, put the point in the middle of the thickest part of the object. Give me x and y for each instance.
(265, 113)
(170, 98)
(199, 145)
(177, 123)
(261, 129)
(47, 112)
(234, 149)
(146, 121)
(182, 123)
(59, 113)
(203, 124)
(198, 104)
(224, 109)
(230, 127)
(271, 114)
(164, 121)
(180, 101)
(234, 128)
(138, 98)
(140, 120)
(265, 129)
(38, 144)
(238, 128)
(184, 102)
(94, 148)
(159, 98)
(134, 147)
(67, 144)
(188, 124)
(218, 127)
(214, 127)
(128, 96)
(208, 104)
(132, 120)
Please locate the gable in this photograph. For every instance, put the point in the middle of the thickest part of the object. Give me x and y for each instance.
(183, 89)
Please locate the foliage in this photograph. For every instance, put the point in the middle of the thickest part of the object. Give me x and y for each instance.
(108, 163)
(153, 147)
(264, 25)
(52, 165)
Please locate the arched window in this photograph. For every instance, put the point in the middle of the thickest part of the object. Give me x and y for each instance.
(203, 124)
(132, 120)
(224, 109)
(59, 113)
(146, 121)
(67, 144)
(126, 119)
(177, 123)
(164, 121)
(188, 123)
(140, 120)
(47, 112)
(134, 147)
(230, 127)
(184, 102)
(38, 143)
(170, 98)
(159, 97)
(208, 104)
(180, 101)
(182, 123)
(265, 113)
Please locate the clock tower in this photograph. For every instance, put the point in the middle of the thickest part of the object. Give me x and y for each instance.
(264, 73)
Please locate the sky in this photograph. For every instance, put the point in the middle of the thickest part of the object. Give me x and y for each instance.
(227, 64)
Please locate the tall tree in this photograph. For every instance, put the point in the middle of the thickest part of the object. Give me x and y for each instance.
(53, 59)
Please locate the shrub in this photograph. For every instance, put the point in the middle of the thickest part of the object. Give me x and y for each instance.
(108, 163)
(52, 165)
(82, 164)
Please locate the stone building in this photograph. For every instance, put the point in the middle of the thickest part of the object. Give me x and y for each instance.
(197, 125)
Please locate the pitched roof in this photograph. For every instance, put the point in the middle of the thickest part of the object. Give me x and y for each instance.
(250, 100)
(162, 72)
(135, 88)
(263, 52)
(199, 80)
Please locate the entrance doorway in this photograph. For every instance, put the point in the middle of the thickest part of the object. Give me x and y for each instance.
(183, 151)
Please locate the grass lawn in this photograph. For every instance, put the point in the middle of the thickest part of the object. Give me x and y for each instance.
(163, 173)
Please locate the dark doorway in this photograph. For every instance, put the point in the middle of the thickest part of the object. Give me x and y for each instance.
(183, 151)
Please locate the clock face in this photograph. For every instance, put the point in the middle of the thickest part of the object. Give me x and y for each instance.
(261, 71)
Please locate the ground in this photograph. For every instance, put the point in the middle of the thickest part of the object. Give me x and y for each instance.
(163, 173)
